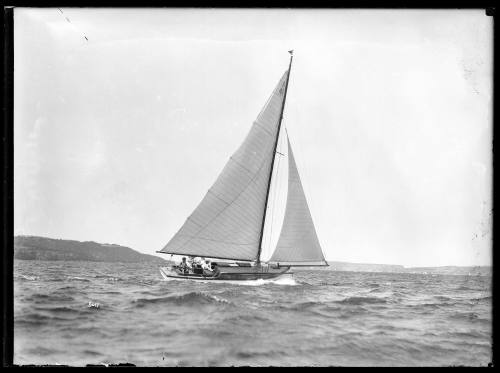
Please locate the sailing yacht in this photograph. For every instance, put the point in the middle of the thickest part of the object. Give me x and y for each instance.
(228, 223)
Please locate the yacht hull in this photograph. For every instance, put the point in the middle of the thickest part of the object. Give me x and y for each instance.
(229, 274)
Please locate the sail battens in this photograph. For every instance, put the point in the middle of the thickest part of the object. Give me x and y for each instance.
(224, 242)
(193, 221)
(203, 214)
(298, 241)
(220, 198)
(239, 164)
(232, 210)
(264, 128)
(222, 229)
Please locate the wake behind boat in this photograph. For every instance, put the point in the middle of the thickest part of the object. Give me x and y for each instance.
(229, 222)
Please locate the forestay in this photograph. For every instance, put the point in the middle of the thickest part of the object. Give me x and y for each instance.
(227, 223)
(298, 243)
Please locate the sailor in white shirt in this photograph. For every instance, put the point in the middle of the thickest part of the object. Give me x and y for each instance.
(207, 268)
(205, 264)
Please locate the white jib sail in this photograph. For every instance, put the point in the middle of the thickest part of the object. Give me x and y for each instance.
(298, 242)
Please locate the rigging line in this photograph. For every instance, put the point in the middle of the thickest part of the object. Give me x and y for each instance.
(220, 212)
(273, 208)
(220, 241)
(276, 188)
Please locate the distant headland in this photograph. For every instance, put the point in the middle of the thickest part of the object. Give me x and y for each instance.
(394, 268)
(43, 248)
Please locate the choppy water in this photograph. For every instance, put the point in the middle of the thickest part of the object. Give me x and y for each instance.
(321, 318)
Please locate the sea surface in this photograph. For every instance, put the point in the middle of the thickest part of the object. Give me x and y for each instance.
(317, 318)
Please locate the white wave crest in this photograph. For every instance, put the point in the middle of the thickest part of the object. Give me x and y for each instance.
(286, 279)
(30, 278)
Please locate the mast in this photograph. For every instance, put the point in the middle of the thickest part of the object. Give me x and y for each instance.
(274, 156)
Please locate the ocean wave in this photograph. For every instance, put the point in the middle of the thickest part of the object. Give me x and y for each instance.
(471, 333)
(35, 319)
(442, 298)
(43, 350)
(92, 353)
(191, 298)
(427, 305)
(399, 294)
(324, 283)
(442, 303)
(58, 310)
(76, 278)
(315, 308)
(258, 354)
(70, 287)
(464, 288)
(464, 315)
(42, 298)
(488, 297)
(249, 318)
(114, 279)
(27, 277)
(103, 276)
(361, 300)
(301, 306)
(376, 290)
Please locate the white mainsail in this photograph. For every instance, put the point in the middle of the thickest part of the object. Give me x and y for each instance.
(228, 221)
(298, 243)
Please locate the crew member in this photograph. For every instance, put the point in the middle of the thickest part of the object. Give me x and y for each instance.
(183, 266)
(205, 264)
(207, 268)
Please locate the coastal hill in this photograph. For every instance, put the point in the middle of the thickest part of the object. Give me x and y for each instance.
(42, 248)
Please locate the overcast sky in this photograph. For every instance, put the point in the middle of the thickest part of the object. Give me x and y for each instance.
(117, 138)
